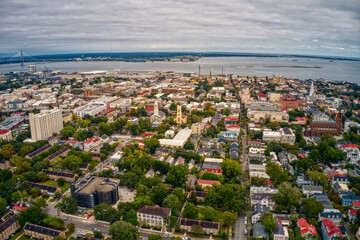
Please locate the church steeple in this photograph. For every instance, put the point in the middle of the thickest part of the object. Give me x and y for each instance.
(156, 108)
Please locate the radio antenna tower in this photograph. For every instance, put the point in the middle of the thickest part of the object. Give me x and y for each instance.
(199, 70)
(22, 58)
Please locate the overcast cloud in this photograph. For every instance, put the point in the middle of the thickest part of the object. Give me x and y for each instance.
(320, 27)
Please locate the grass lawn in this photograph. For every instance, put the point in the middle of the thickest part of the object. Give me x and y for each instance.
(55, 184)
(16, 235)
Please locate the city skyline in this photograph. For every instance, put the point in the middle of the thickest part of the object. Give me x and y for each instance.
(328, 28)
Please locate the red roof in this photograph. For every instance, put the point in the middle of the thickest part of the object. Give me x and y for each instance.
(232, 126)
(356, 204)
(306, 228)
(336, 174)
(147, 134)
(107, 111)
(201, 181)
(301, 119)
(232, 118)
(262, 95)
(331, 229)
(3, 131)
(214, 170)
(353, 211)
(19, 208)
(301, 155)
(349, 146)
(269, 182)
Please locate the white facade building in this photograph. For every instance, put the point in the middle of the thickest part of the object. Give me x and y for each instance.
(44, 124)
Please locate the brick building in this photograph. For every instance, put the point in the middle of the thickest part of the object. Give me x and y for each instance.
(321, 124)
(9, 227)
(41, 232)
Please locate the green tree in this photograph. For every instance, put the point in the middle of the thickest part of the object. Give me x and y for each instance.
(159, 193)
(68, 205)
(67, 131)
(41, 176)
(122, 230)
(33, 214)
(190, 211)
(177, 175)
(3, 205)
(318, 177)
(172, 201)
(7, 151)
(105, 128)
(189, 145)
(288, 197)
(155, 237)
(227, 112)
(34, 192)
(70, 227)
(197, 229)
(98, 234)
(231, 168)
(151, 143)
(312, 207)
(131, 217)
(26, 150)
(269, 222)
(105, 212)
(229, 218)
(61, 182)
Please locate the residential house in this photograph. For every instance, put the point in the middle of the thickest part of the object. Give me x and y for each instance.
(352, 152)
(340, 179)
(263, 199)
(304, 180)
(330, 230)
(311, 190)
(258, 170)
(333, 215)
(210, 228)
(281, 232)
(307, 230)
(352, 214)
(257, 211)
(348, 197)
(259, 231)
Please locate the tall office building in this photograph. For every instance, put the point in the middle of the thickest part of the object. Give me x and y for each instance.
(44, 124)
(32, 69)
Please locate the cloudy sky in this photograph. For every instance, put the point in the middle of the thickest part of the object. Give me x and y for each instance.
(318, 27)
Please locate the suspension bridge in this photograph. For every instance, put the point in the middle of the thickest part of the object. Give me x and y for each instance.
(19, 57)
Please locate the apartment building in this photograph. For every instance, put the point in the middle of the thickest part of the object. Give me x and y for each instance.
(55, 175)
(210, 228)
(152, 215)
(9, 227)
(284, 135)
(197, 128)
(44, 124)
(41, 232)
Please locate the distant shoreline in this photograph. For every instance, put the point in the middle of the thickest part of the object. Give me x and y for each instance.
(156, 56)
